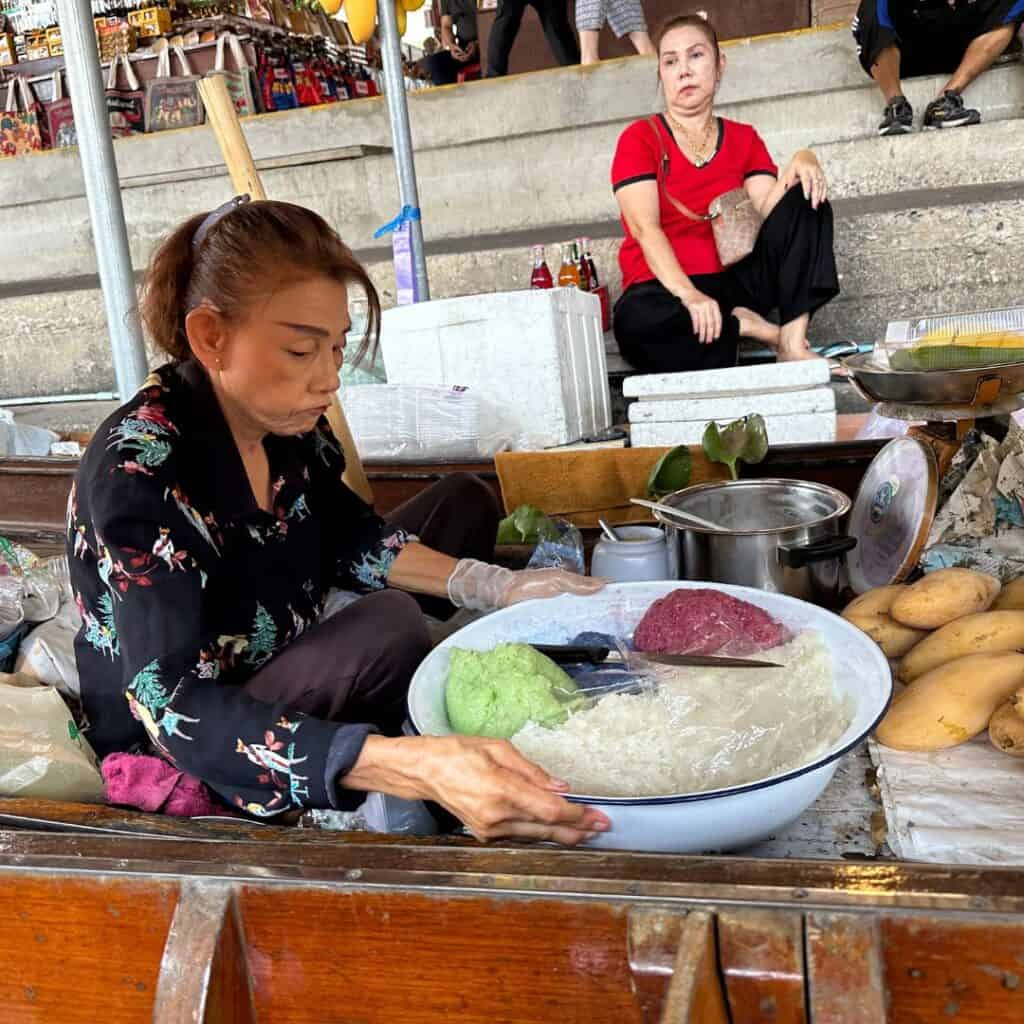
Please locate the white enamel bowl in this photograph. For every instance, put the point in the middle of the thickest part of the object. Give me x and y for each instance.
(721, 819)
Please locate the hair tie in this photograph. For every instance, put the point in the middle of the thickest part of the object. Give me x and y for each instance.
(213, 218)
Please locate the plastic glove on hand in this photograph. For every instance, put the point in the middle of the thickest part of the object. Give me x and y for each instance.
(484, 587)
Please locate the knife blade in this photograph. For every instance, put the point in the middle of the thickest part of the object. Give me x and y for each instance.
(577, 654)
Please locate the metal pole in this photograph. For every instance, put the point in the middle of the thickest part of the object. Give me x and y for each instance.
(401, 135)
(103, 191)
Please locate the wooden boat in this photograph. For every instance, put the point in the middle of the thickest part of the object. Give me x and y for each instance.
(132, 918)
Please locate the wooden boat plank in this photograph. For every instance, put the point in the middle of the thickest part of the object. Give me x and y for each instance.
(204, 972)
(476, 960)
(356, 860)
(82, 949)
(845, 974)
(653, 943)
(695, 994)
(967, 972)
(762, 959)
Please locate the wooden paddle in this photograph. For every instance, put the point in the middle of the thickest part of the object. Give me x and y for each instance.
(245, 179)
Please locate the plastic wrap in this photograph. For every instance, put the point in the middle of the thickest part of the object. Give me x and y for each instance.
(563, 551)
(42, 753)
(48, 652)
(28, 584)
(962, 341)
(680, 730)
(408, 423)
(23, 438)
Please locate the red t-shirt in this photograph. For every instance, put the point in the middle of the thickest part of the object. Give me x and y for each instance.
(741, 153)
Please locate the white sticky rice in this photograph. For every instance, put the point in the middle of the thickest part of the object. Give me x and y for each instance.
(700, 728)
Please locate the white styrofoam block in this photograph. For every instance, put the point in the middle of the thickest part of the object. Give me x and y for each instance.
(733, 380)
(802, 428)
(779, 403)
(537, 356)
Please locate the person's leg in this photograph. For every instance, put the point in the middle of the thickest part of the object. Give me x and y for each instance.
(444, 68)
(879, 50)
(457, 516)
(554, 19)
(355, 666)
(589, 46)
(792, 268)
(992, 35)
(503, 35)
(655, 332)
(642, 43)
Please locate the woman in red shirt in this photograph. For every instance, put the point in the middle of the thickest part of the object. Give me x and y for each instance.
(680, 308)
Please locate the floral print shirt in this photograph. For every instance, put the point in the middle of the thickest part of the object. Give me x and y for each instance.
(186, 587)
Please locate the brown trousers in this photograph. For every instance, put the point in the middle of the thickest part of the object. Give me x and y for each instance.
(356, 666)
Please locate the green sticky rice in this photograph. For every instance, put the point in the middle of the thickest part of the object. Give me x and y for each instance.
(495, 693)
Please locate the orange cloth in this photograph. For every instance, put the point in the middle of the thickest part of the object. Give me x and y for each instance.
(582, 486)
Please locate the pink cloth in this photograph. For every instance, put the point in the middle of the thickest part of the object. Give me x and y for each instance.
(151, 784)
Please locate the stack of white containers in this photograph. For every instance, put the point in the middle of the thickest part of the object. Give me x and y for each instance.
(795, 400)
(536, 358)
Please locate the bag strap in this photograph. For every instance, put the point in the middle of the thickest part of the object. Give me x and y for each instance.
(186, 68)
(58, 85)
(129, 72)
(663, 167)
(112, 72)
(163, 63)
(11, 102)
(241, 61)
(218, 61)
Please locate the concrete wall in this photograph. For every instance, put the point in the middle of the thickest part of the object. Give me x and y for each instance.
(929, 222)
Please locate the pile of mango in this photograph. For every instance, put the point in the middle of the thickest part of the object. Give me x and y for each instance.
(362, 15)
(957, 636)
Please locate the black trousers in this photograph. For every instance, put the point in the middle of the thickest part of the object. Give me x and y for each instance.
(792, 269)
(931, 37)
(356, 666)
(554, 19)
(444, 68)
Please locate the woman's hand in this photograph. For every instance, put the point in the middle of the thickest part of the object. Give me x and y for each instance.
(484, 587)
(532, 584)
(705, 314)
(805, 168)
(496, 792)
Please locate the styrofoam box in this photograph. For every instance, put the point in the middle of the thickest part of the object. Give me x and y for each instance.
(733, 380)
(780, 403)
(802, 428)
(537, 356)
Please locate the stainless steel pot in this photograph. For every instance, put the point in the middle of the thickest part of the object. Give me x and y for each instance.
(782, 536)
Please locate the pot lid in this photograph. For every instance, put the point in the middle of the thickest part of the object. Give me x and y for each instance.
(892, 514)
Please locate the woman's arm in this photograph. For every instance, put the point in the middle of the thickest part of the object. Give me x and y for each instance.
(765, 192)
(641, 211)
(485, 783)
(472, 584)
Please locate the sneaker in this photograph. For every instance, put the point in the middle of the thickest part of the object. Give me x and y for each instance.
(898, 118)
(948, 111)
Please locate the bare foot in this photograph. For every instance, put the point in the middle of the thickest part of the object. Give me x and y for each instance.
(753, 325)
(792, 355)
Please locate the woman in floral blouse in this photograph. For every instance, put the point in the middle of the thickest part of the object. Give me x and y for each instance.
(209, 522)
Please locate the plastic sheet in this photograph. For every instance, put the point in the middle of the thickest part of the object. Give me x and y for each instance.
(48, 652)
(23, 438)
(42, 753)
(564, 551)
(408, 423)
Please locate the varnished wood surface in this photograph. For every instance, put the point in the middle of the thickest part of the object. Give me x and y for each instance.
(653, 939)
(364, 859)
(846, 983)
(940, 970)
(76, 951)
(762, 958)
(694, 994)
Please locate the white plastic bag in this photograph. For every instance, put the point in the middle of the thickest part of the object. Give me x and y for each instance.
(48, 652)
(23, 438)
(42, 753)
(410, 423)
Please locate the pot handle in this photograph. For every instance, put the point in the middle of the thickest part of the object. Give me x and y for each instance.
(798, 556)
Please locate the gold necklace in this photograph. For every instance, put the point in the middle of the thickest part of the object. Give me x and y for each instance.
(700, 160)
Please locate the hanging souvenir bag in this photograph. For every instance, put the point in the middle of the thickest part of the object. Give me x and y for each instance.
(239, 81)
(21, 129)
(276, 83)
(60, 118)
(172, 101)
(307, 86)
(125, 107)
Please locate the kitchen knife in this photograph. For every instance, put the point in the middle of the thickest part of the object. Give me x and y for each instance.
(576, 654)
